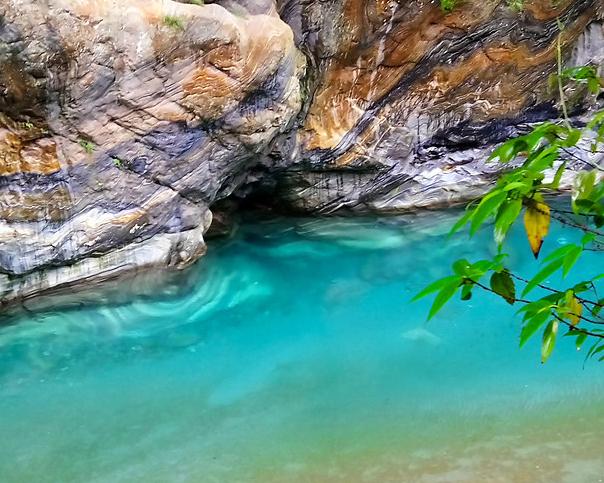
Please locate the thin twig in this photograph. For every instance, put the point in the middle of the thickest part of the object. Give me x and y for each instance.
(560, 87)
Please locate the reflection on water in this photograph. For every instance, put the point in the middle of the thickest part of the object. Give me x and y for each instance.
(290, 354)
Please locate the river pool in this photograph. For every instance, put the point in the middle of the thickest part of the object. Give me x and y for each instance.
(291, 353)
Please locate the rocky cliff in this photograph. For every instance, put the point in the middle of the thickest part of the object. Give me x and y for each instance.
(123, 122)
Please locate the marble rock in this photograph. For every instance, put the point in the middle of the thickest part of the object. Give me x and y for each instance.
(124, 123)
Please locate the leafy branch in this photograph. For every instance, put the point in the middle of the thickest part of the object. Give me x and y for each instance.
(524, 188)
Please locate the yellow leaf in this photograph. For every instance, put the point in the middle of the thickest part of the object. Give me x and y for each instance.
(575, 310)
(536, 222)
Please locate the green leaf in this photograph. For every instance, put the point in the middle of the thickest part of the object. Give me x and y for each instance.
(515, 185)
(549, 340)
(596, 348)
(534, 324)
(597, 120)
(500, 257)
(542, 275)
(487, 207)
(558, 176)
(544, 160)
(443, 297)
(593, 348)
(503, 285)
(598, 307)
(594, 86)
(480, 267)
(506, 215)
(581, 72)
(504, 153)
(582, 287)
(466, 291)
(559, 253)
(598, 192)
(537, 306)
(436, 286)
(581, 338)
(468, 215)
(582, 186)
(461, 267)
(570, 259)
(573, 138)
(587, 238)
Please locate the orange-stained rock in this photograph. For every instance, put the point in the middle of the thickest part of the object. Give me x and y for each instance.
(123, 121)
(19, 206)
(402, 36)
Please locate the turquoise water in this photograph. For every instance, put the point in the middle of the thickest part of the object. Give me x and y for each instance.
(290, 353)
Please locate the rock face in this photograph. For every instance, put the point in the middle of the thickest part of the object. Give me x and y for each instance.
(407, 101)
(123, 122)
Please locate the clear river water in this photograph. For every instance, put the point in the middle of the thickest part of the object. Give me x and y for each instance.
(291, 353)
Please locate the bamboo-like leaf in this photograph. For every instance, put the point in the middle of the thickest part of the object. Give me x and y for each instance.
(534, 324)
(506, 215)
(596, 121)
(588, 238)
(486, 207)
(597, 307)
(466, 291)
(515, 185)
(596, 347)
(558, 176)
(571, 258)
(581, 338)
(583, 185)
(559, 253)
(582, 287)
(594, 86)
(435, 286)
(536, 222)
(573, 138)
(461, 222)
(545, 159)
(504, 153)
(443, 297)
(542, 275)
(461, 267)
(549, 340)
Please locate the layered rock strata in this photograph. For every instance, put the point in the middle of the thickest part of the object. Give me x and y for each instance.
(407, 102)
(123, 122)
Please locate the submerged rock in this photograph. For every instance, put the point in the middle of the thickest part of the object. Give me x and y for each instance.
(423, 336)
(123, 122)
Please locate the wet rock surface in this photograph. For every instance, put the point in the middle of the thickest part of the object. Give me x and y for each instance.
(123, 122)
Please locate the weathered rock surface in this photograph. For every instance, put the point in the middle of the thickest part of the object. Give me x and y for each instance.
(407, 101)
(122, 122)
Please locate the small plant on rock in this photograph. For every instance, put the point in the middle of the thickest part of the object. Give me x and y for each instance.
(174, 22)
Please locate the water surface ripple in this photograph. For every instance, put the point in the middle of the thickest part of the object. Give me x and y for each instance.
(291, 354)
